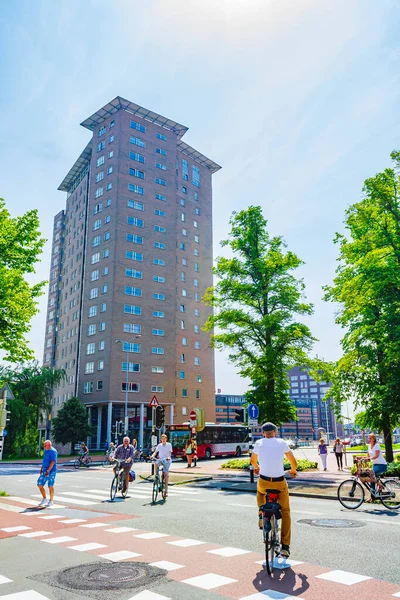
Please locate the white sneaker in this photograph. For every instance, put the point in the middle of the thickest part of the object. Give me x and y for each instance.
(49, 504)
(43, 502)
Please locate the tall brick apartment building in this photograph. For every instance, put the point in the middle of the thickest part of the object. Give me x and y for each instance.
(131, 260)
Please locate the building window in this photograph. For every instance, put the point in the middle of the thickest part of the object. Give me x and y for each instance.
(160, 136)
(184, 293)
(112, 123)
(99, 192)
(90, 348)
(161, 181)
(159, 296)
(100, 161)
(183, 360)
(157, 350)
(184, 189)
(109, 186)
(94, 275)
(91, 330)
(105, 271)
(103, 307)
(161, 151)
(196, 329)
(101, 345)
(109, 170)
(159, 279)
(195, 252)
(157, 332)
(92, 311)
(102, 131)
(197, 210)
(106, 253)
(101, 146)
(138, 157)
(182, 308)
(182, 375)
(184, 341)
(98, 208)
(107, 236)
(197, 394)
(195, 176)
(133, 273)
(134, 239)
(132, 291)
(138, 126)
(196, 283)
(182, 246)
(99, 386)
(111, 154)
(102, 326)
(159, 314)
(97, 225)
(184, 232)
(160, 197)
(160, 213)
(89, 368)
(99, 176)
(96, 241)
(94, 292)
(88, 387)
(185, 169)
(134, 255)
(95, 258)
(135, 221)
(137, 142)
(199, 379)
(196, 361)
(161, 166)
(131, 309)
(110, 141)
(184, 393)
(157, 369)
(196, 196)
(104, 289)
(196, 239)
(136, 205)
(157, 388)
(130, 367)
(197, 345)
(132, 328)
(159, 245)
(131, 347)
(195, 224)
(182, 324)
(159, 261)
(136, 173)
(196, 267)
(137, 189)
(182, 201)
(132, 387)
(107, 219)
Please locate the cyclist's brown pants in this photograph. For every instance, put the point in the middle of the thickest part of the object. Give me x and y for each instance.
(283, 500)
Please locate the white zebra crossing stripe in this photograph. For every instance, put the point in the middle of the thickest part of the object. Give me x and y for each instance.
(15, 529)
(5, 579)
(60, 540)
(69, 500)
(27, 595)
(33, 534)
(121, 555)
(31, 502)
(87, 547)
(84, 495)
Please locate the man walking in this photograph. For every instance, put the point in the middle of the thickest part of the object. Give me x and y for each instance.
(48, 472)
(125, 452)
(267, 460)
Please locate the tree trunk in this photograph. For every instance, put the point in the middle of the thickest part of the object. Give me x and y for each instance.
(72, 448)
(387, 437)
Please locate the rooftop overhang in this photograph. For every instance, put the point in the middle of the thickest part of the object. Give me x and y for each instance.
(122, 104)
(198, 157)
(83, 159)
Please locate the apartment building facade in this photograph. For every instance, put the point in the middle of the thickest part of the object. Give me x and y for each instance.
(131, 260)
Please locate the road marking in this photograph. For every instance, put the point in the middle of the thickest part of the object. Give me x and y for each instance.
(152, 535)
(192, 499)
(86, 547)
(4, 579)
(208, 581)
(93, 525)
(70, 501)
(17, 528)
(343, 577)
(60, 540)
(70, 521)
(48, 517)
(186, 543)
(228, 552)
(168, 566)
(33, 534)
(121, 529)
(241, 505)
(11, 507)
(121, 555)
(31, 502)
(148, 595)
(84, 495)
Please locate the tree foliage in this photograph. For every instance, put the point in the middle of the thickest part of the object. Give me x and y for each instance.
(71, 426)
(32, 387)
(367, 286)
(257, 302)
(20, 245)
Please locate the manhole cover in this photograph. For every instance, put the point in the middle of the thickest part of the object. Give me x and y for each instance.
(108, 576)
(332, 523)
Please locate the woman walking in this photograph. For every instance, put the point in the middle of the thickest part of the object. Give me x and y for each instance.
(188, 452)
(323, 452)
(338, 450)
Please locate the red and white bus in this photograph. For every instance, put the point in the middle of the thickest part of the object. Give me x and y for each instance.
(214, 440)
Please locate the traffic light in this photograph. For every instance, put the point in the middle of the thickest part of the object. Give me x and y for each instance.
(160, 417)
(239, 415)
(120, 427)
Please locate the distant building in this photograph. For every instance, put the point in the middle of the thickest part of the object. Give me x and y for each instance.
(315, 417)
(225, 407)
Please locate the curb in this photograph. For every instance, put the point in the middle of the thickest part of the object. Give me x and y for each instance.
(300, 494)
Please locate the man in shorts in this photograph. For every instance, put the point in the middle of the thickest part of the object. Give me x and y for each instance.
(48, 472)
(125, 452)
(164, 451)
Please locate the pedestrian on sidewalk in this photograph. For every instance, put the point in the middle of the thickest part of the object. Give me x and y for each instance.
(48, 472)
(188, 452)
(338, 450)
(323, 452)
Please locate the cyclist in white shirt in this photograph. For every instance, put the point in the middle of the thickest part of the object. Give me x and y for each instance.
(267, 460)
(164, 451)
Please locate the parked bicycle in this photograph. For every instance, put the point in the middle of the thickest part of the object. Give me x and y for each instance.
(271, 514)
(82, 461)
(159, 482)
(118, 482)
(351, 491)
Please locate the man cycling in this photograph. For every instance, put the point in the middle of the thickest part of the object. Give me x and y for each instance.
(125, 452)
(267, 460)
(84, 453)
(164, 451)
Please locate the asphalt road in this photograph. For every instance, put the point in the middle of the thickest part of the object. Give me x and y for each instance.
(230, 519)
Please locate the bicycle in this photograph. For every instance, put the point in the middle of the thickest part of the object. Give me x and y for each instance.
(271, 515)
(159, 482)
(84, 461)
(107, 461)
(351, 493)
(118, 482)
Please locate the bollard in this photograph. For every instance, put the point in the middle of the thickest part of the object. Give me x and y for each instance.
(251, 473)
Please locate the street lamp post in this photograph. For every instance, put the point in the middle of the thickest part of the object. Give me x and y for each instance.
(126, 381)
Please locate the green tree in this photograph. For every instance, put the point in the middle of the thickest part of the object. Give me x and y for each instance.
(71, 423)
(256, 302)
(32, 387)
(367, 286)
(20, 245)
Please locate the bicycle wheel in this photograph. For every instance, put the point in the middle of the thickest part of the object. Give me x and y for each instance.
(155, 490)
(350, 494)
(271, 545)
(124, 490)
(106, 463)
(114, 487)
(162, 487)
(88, 462)
(390, 494)
(77, 463)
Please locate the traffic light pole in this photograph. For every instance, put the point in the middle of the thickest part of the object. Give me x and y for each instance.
(153, 432)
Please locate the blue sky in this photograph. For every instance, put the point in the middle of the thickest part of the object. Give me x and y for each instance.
(297, 100)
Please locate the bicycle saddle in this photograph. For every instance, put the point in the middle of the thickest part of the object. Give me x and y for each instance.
(273, 491)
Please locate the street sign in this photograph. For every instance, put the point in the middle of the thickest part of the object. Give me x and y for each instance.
(192, 415)
(193, 430)
(252, 422)
(5, 433)
(154, 441)
(253, 411)
(154, 402)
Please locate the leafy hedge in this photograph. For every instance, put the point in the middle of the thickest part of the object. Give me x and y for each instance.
(244, 464)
